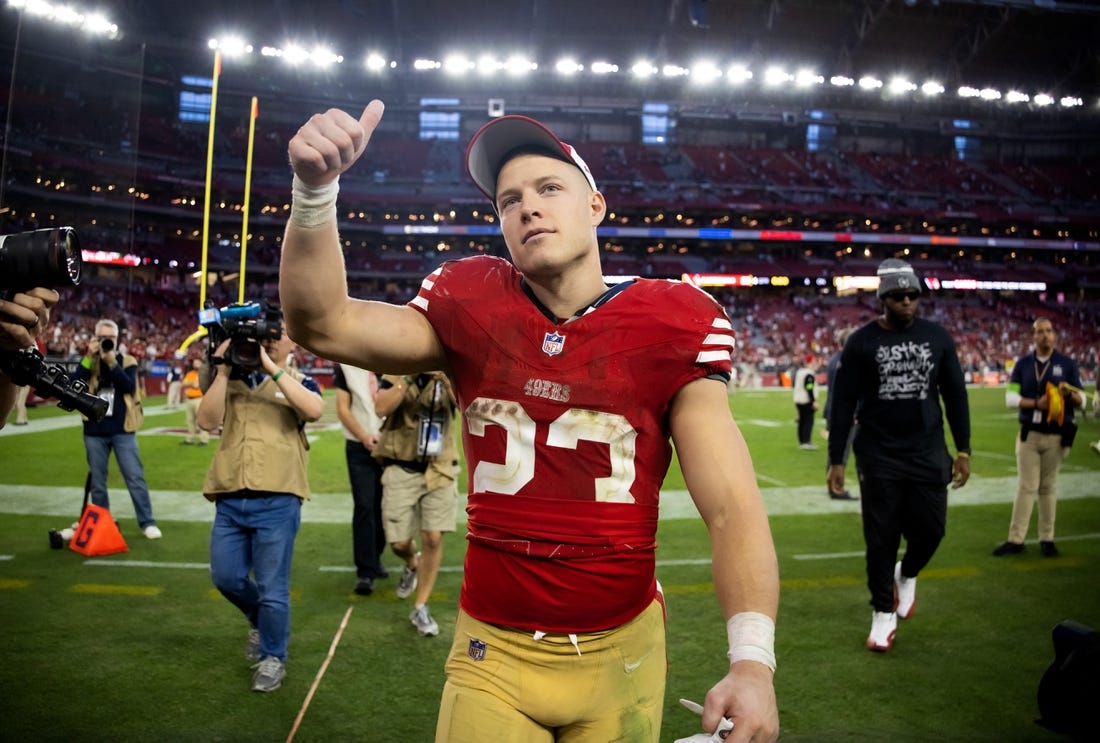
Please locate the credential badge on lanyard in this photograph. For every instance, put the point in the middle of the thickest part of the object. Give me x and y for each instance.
(429, 441)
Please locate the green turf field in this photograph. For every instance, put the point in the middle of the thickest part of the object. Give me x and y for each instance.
(139, 647)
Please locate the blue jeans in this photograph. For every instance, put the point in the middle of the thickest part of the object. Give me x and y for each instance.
(256, 535)
(125, 446)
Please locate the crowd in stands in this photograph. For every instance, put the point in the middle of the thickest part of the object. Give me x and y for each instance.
(1050, 197)
(775, 328)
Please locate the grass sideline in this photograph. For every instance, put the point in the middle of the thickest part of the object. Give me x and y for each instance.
(139, 646)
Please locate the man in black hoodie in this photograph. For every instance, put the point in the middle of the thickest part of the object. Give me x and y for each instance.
(893, 371)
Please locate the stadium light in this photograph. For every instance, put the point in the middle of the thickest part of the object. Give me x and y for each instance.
(322, 56)
(568, 66)
(94, 23)
(488, 65)
(806, 78)
(699, 73)
(775, 76)
(739, 74)
(376, 62)
(457, 65)
(294, 55)
(901, 85)
(518, 65)
(230, 46)
(705, 73)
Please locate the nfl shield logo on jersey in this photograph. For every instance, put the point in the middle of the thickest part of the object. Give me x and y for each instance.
(553, 343)
(476, 649)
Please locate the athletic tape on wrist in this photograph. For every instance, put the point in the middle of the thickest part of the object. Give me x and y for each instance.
(751, 637)
(313, 206)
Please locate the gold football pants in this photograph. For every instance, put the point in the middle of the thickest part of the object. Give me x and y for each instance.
(506, 686)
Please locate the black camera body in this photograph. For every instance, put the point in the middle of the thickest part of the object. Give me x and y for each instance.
(245, 324)
(50, 258)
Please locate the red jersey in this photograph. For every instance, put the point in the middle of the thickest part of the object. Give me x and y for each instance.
(566, 437)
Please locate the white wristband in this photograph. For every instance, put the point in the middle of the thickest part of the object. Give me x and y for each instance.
(313, 206)
(751, 637)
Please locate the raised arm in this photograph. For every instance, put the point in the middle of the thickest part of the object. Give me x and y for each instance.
(313, 289)
(719, 474)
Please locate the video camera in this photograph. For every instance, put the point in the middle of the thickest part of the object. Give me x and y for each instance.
(49, 257)
(245, 324)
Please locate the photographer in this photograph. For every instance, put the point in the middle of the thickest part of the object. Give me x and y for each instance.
(22, 318)
(420, 463)
(113, 377)
(258, 480)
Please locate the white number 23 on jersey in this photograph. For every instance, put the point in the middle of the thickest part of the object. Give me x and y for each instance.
(574, 425)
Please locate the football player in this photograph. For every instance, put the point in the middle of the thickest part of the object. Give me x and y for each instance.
(571, 391)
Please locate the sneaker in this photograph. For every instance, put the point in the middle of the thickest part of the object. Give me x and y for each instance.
(1008, 548)
(252, 645)
(846, 495)
(883, 626)
(422, 620)
(407, 584)
(905, 593)
(152, 532)
(1048, 549)
(1095, 446)
(269, 675)
(807, 447)
(364, 586)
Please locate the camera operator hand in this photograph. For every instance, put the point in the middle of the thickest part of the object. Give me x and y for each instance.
(24, 316)
(95, 348)
(266, 363)
(211, 410)
(310, 406)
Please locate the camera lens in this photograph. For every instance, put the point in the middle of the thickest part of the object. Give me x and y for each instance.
(106, 345)
(46, 257)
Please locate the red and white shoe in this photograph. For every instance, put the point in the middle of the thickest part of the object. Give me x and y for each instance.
(905, 594)
(883, 626)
